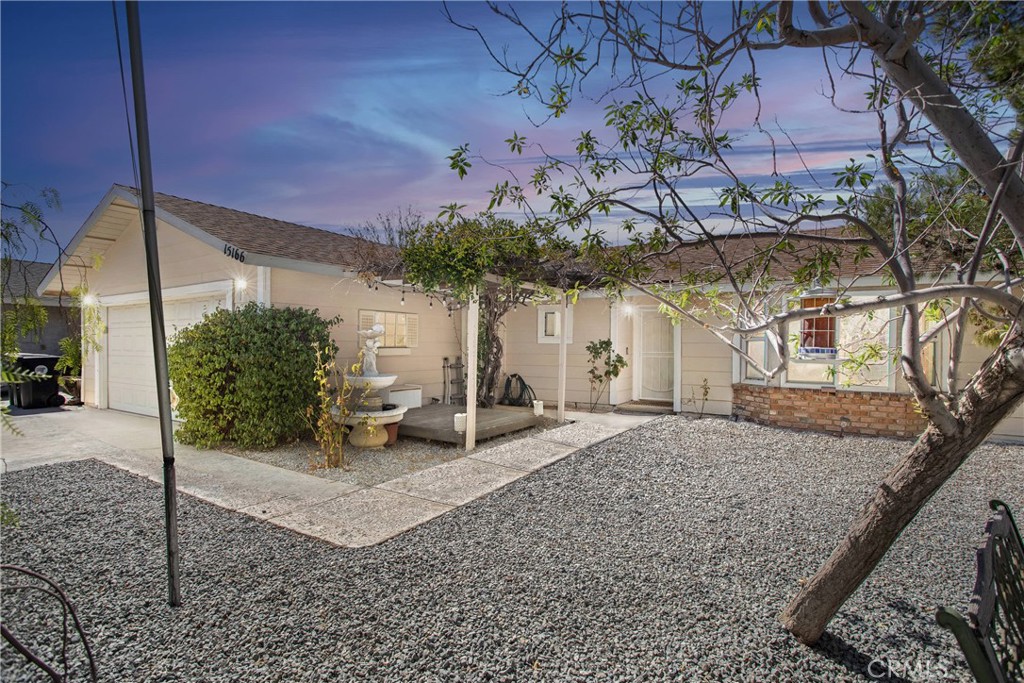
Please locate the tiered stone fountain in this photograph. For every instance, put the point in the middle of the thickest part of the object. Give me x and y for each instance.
(369, 420)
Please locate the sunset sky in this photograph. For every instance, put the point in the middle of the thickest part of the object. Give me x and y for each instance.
(320, 113)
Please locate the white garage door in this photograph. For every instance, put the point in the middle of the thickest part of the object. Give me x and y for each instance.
(131, 372)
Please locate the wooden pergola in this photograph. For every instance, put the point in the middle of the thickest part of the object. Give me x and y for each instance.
(472, 354)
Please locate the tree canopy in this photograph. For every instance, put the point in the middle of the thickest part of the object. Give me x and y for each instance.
(936, 198)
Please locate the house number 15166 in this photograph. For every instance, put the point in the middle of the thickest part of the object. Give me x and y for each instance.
(234, 252)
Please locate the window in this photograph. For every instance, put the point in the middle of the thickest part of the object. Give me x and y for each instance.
(757, 349)
(818, 335)
(549, 324)
(401, 330)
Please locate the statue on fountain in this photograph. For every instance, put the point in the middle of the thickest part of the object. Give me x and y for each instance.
(371, 344)
(367, 416)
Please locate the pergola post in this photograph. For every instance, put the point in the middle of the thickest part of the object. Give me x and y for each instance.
(472, 338)
(677, 367)
(563, 326)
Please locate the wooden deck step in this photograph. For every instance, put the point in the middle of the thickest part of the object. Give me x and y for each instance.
(644, 408)
(437, 422)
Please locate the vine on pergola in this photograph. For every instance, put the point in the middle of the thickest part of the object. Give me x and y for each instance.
(502, 263)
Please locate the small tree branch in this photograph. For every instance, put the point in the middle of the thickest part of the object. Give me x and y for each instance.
(993, 210)
(1012, 304)
(795, 37)
(947, 320)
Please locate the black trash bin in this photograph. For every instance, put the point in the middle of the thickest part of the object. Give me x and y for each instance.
(40, 393)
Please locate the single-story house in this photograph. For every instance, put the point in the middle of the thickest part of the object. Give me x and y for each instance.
(213, 256)
(686, 367)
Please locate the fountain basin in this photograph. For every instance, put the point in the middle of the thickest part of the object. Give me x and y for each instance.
(368, 426)
(371, 382)
(380, 417)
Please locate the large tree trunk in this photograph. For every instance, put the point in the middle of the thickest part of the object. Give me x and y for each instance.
(994, 392)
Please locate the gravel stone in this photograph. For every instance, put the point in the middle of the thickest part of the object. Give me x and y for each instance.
(665, 553)
(372, 466)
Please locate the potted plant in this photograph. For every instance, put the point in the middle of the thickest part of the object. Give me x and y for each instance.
(70, 366)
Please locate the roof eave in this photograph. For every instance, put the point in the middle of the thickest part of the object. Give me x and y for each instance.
(115, 192)
(252, 258)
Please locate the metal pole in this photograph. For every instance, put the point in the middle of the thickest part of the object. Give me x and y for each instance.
(156, 306)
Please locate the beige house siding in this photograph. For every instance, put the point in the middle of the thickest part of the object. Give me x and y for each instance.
(184, 261)
(704, 356)
(1011, 428)
(622, 387)
(538, 363)
(334, 296)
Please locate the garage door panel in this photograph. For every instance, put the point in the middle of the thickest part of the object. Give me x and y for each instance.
(131, 371)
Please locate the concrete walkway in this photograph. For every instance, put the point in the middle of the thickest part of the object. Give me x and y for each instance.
(341, 513)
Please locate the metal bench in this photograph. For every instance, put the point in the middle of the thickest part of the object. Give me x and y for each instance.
(992, 635)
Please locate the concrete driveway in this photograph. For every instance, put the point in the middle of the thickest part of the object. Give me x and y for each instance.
(341, 513)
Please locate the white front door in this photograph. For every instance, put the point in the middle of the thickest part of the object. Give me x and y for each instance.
(655, 372)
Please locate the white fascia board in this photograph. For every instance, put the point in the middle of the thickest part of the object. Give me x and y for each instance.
(300, 266)
(874, 284)
(108, 199)
(169, 293)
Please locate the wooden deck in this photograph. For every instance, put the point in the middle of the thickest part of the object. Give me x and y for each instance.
(437, 422)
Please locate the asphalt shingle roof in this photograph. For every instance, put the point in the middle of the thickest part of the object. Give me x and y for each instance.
(262, 235)
(743, 249)
(272, 237)
(23, 278)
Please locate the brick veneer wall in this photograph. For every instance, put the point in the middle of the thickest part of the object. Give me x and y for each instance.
(870, 413)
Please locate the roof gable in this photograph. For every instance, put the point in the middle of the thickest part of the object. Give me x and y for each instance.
(260, 240)
(261, 235)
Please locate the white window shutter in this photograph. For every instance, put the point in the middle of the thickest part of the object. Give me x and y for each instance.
(412, 330)
(366, 320)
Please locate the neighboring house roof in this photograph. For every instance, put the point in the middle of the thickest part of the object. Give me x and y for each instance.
(23, 279)
(739, 250)
(264, 241)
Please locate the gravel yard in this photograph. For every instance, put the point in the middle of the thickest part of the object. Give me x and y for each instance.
(369, 467)
(663, 553)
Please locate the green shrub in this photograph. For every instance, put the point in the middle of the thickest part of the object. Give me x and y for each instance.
(247, 376)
